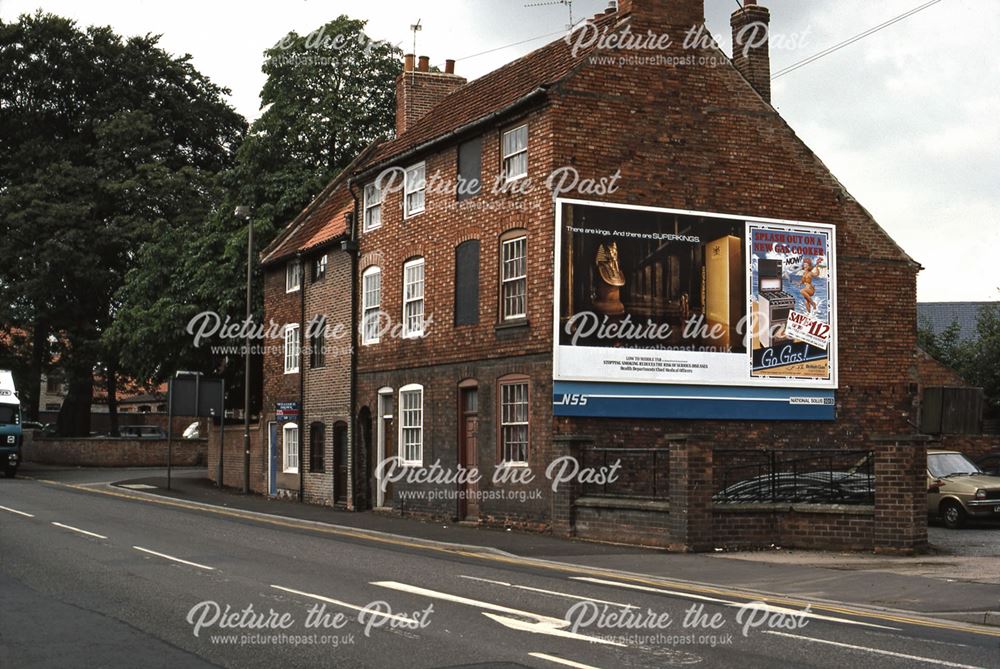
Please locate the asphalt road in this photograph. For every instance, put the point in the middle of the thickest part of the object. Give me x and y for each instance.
(91, 579)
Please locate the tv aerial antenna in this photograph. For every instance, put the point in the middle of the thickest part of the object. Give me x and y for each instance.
(567, 3)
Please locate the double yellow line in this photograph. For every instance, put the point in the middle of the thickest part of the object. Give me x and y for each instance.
(575, 570)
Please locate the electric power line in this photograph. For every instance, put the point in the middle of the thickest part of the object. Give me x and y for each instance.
(837, 47)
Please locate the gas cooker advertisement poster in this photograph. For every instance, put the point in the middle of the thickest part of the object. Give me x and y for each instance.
(792, 302)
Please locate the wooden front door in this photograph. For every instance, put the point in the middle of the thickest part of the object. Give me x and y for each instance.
(468, 452)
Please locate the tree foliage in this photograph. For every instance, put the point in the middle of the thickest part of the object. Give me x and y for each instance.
(327, 96)
(107, 144)
(977, 359)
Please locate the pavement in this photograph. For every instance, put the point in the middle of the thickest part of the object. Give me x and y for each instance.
(95, 574)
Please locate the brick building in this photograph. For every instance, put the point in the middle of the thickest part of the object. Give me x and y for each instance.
(307, 370)
(689, 194)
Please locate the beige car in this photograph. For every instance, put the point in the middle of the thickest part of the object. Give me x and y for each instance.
(957, 489)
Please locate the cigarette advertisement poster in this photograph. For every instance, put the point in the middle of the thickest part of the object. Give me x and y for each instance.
(675, 303)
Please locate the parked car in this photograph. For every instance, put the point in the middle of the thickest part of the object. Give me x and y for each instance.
(990, 463)
(957, 489)
(830, 487)
(142, 432)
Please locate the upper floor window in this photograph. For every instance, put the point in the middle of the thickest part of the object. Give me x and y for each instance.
(411, 424)
(293, 276)
(291, 349)
(371, 305)
(514, 422)
(470, 167)
(515, 153)
(319, 267)
(413, 200)
(513, 277)
(413, 298)
(317, 342)
(467, 283)
(373, 207)
(317, 447)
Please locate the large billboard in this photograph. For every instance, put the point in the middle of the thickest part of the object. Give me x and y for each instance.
(715, 314)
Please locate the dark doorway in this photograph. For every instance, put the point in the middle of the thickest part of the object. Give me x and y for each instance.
(364, 471)
(340, 470)
(468, 452)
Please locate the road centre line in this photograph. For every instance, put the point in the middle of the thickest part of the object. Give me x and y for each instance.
(337, 602)
(175, 559)
(548, 592)
(457, 599)
(20, 513)
(761, 606)
(77, 529)
(877, 651)
(562, 661)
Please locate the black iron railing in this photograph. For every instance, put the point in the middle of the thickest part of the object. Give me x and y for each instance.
(747, 476)
(642, 473)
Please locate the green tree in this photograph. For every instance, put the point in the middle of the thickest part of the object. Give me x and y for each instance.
(328, 95)
(105, 142)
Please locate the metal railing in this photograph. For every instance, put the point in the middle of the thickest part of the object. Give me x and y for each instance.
(644, 473)
(749, 476)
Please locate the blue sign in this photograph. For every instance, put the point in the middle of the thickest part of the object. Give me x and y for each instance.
(619, 400)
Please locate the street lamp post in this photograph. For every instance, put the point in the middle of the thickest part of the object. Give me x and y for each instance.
(244, 212)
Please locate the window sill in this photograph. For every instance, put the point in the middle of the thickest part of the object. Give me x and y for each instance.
(290, 471)
(513, 465)
(512, 324)
(291, 371)
(293, 290)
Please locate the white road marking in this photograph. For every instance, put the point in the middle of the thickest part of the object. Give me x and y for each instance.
(138, 486)
(77, 529)
(877, 651)
(546, 628)
(565, 663)
(337, 602)
(434, 594)
(760, 606)
(548, 592)
(175, 559)
(20, 513)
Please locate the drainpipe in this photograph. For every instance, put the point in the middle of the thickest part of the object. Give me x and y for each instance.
(350, 246)
(302, 376)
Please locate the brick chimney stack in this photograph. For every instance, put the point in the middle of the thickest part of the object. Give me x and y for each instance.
(418, 89)
(678, 13)
(751, 45)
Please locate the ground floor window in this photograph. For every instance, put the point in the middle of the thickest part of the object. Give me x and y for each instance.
(290, 442)
(317, 447)
(514, 422)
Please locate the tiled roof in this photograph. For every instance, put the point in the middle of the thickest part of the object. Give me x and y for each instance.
(491, 93)
(939, 315)
(321, 221)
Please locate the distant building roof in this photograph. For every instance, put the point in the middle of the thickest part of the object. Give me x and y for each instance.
(939, 315)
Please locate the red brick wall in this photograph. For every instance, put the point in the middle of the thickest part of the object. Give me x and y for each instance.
(114, 452)
(282, 308)
(232, 457)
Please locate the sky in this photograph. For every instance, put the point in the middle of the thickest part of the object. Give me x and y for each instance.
(908, 119)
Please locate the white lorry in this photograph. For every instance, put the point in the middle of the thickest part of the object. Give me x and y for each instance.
(10, 425)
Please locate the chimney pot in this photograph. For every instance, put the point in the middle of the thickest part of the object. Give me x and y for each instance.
(424, 64)
(449, 66)
(408, 62)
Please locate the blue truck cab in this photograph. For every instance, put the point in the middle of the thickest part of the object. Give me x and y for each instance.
(10, 425)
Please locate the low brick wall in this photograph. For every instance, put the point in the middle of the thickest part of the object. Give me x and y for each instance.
(232, 457)
(105, 452)
(822, 526)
